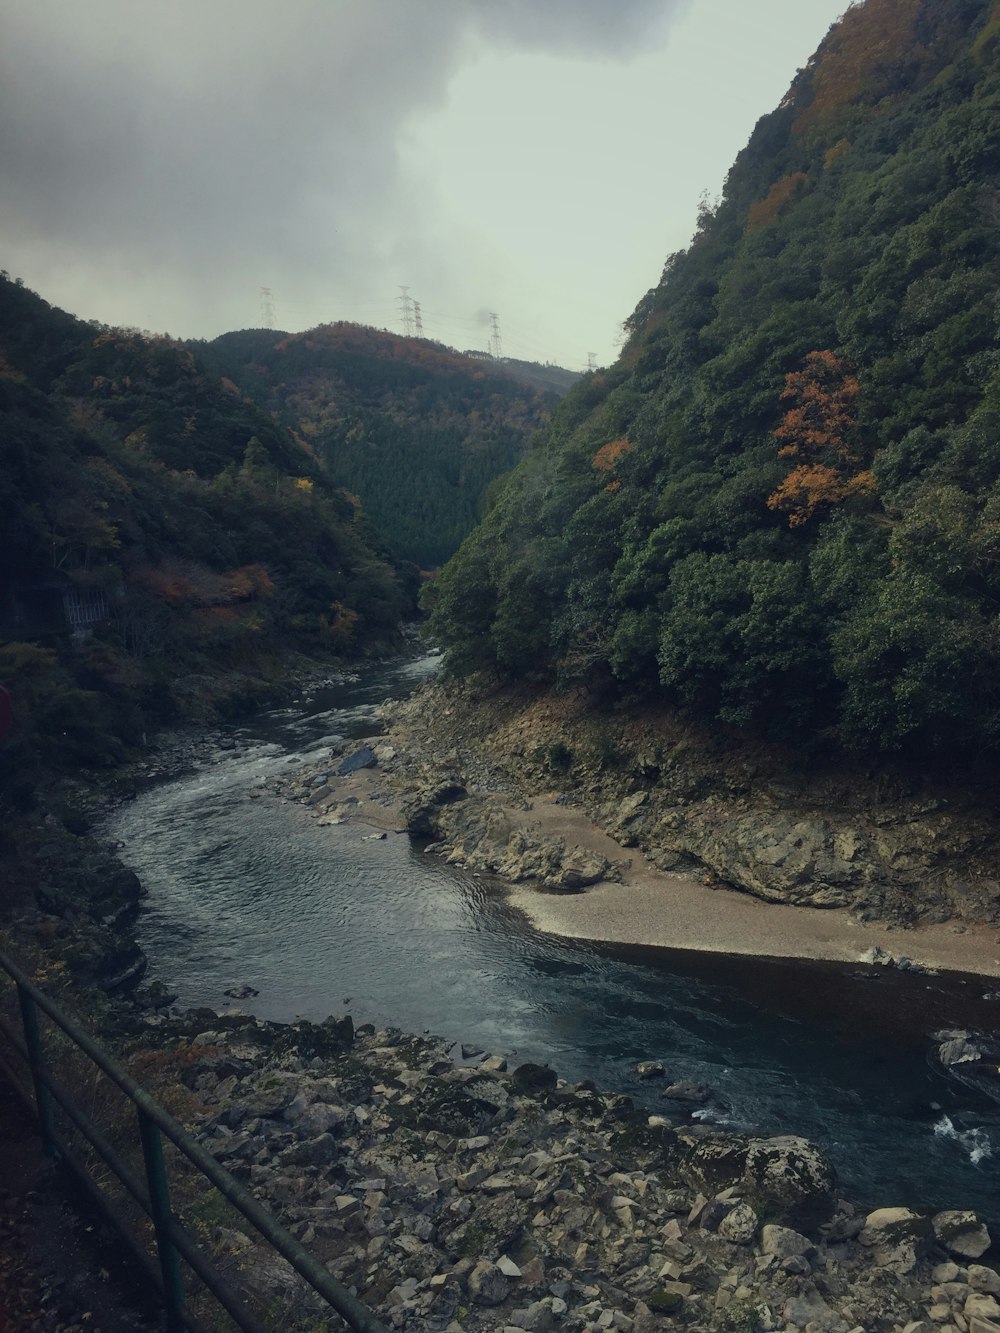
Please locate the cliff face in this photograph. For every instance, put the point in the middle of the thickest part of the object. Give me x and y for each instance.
(777, 512)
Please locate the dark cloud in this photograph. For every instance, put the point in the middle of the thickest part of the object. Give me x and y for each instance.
(579, 27)
(191, 150)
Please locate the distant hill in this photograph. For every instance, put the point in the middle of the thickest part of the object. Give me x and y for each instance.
(417, 430)
(166, 544)
(780, 509)
(553, 379)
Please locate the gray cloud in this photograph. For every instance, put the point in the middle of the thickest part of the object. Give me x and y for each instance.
(579, 27)
(214, 144)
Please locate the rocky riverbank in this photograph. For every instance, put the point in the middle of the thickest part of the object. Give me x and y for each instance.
(885, 844)
(451, 1193)
(474, 780)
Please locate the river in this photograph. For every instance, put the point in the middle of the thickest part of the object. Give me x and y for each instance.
(246, 889)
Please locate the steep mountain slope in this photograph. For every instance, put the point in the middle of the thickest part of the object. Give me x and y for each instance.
(417, 430)
(780, 508)
(149, 507)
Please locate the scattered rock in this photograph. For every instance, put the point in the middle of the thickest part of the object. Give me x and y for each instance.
(783, 1242)
(363, 758)
(649, 1069)
(961, 1233)
(739, 1225)
(487, 1284)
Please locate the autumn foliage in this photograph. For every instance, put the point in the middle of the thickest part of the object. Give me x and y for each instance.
(764, 212)
(184, 582)
(607, 456)
(817, 429)
(856, 64)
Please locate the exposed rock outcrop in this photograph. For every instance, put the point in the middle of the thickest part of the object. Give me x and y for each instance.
(886, 844)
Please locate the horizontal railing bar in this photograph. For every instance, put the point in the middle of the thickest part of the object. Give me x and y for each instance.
(220, 1288)
(319, 1278)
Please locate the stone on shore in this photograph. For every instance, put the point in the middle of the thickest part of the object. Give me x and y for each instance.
(443, 1192)
(788, 1173)
(961, 1233)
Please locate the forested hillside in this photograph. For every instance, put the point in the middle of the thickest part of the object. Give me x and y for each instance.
(188, 540)
(417, 430)
(780, 509)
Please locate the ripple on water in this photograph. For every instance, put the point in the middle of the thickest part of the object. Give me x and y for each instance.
(321, 921)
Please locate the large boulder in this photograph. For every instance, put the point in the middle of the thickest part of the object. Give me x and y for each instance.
(363, 758)
(422, 809)
(961, 1233)
(786, 1179)
(897, 1237)
(578, 868)
(532, 1079)
(783, 1242)
(958, 1048)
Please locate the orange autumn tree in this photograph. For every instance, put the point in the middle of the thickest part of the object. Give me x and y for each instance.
(765, 212)
(606, 458)
(860, 59)
(817, 430)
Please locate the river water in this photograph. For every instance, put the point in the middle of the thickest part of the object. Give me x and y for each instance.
(246, 889)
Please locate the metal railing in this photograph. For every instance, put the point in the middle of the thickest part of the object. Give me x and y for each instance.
(173, 1242)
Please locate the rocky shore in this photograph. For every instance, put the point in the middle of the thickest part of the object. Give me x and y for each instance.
(511, 787)
(886, 844)
(454, 1194)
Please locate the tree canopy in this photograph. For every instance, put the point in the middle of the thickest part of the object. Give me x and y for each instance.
(779, 508)
(212, 536)
(417, 430)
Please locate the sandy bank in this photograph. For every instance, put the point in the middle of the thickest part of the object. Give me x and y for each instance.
(672, 912)
(665, 910)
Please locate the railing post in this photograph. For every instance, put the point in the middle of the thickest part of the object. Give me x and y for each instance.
(159, 1200)
(36, 1062)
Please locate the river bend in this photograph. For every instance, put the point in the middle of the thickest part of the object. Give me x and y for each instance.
(245, 889)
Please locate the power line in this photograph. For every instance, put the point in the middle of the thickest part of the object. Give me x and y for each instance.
(445, 326)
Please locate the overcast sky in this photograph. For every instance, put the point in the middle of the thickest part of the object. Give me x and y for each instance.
(162, 160)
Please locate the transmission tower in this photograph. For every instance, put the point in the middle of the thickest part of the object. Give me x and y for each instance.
(496, 346)
(418, 323)
(406, 306)
(591, 362)
(266, 308)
